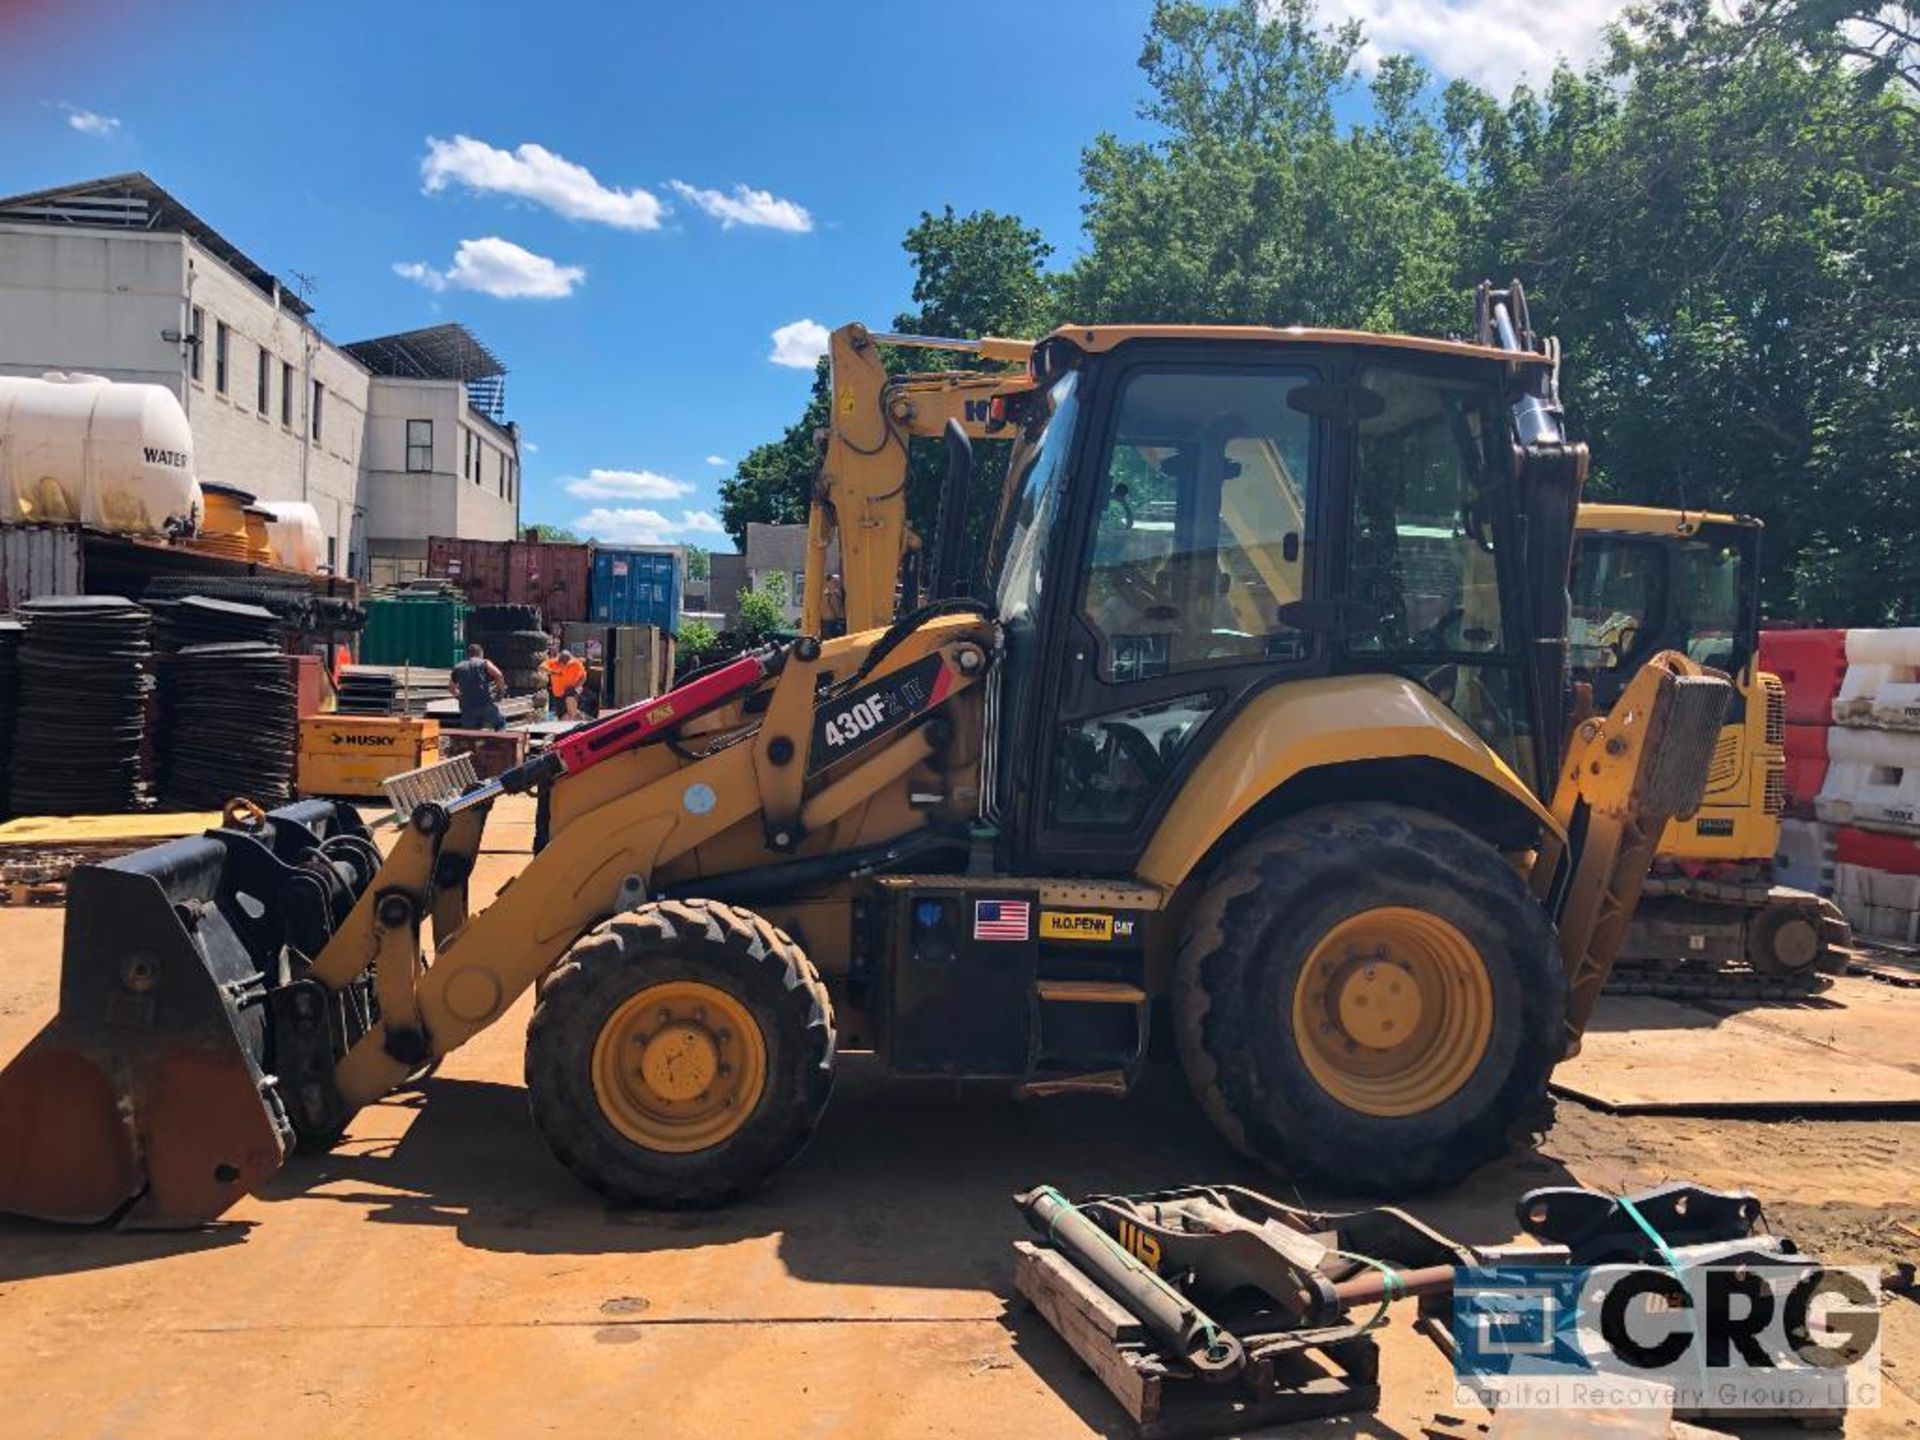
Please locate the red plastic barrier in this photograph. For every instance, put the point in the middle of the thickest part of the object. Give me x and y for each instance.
(1811, 664)
(1806, 762)
(1896, 854)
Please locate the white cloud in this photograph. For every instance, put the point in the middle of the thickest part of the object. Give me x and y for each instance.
(746, 206)
(529, 447)
(535, 173)
(498, 268)
(799, 344)
(644, 527)
(626, 485)
(88, 122)
(718, 460)
(1495, 43)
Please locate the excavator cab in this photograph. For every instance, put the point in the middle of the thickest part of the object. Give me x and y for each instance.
(1712, 920)
(1251, 730)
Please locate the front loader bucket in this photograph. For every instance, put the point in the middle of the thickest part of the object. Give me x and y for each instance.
(149, 1098)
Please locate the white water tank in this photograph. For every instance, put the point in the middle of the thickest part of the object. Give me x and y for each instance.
(298, 540)
(84, 448)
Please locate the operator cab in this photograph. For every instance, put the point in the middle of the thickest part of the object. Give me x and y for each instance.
(1192, 516)
(1650, 580)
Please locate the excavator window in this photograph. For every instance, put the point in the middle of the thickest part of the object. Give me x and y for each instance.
(1712, 599)
(1200, 535)
(1619, 595)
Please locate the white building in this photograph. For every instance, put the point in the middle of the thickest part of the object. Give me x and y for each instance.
(438, 459)
(116, 277)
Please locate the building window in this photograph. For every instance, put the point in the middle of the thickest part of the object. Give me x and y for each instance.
(220, 333)
(263, 382)
(196, 333)
(419, 446)
(330, 544)
(319, 394)
(286, 394)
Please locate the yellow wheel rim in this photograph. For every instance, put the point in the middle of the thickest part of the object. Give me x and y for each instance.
(1393, 1011)
(679, 1066)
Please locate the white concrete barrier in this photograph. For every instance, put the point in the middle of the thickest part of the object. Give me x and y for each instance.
(1873, 780)
(1882, 683)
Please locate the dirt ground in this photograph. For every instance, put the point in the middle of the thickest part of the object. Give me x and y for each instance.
(439, 1274)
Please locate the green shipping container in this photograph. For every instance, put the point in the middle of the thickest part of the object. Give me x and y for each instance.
(409, 630)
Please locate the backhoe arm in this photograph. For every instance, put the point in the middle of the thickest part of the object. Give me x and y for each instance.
(860, 496)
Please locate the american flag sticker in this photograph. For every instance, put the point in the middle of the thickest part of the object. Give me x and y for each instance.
(1001, 920)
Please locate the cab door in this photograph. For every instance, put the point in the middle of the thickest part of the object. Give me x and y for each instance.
(1190, 532)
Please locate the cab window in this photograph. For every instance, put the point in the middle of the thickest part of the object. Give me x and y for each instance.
(1424, 593)
(1422, 560)
(1619, 593)
(1201, 533)
(1711, 603)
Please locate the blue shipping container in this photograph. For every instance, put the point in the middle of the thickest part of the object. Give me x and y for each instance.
(637, 587)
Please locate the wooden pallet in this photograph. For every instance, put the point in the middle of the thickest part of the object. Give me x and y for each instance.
(41, 892)
(1283, 1382)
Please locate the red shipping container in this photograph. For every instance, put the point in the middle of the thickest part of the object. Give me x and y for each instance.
(478, 567)
(1806, 747)
(555, 577)
(1877, 850)
(1811, 664)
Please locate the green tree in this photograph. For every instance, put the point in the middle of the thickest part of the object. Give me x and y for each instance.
(554, 534)
(699, 563)
(983, 273)
(1724, 230)
(760, 616)
(1252, 204)
(697, 638)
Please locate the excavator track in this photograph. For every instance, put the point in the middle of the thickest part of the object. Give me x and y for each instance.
(1698, 939)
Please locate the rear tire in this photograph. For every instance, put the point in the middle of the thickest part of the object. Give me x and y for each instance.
(1306, 951)
(680, 1055)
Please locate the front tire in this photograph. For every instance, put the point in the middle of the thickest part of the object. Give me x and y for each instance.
(680, 1055)
(1369, 997)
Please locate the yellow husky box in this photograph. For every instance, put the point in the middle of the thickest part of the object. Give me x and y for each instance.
(352, 754)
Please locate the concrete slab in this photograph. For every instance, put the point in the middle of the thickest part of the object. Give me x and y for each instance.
(1849, 1049)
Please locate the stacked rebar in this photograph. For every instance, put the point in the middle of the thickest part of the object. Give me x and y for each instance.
(228, 705)
(80, 718)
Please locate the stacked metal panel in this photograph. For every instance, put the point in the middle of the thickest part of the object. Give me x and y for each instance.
(80, 723)
(10, 633)
(228, 706)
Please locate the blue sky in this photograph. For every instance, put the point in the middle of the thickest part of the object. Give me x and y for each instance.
(636, 315)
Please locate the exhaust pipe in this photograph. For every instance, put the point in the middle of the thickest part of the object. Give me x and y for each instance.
(155, 1096)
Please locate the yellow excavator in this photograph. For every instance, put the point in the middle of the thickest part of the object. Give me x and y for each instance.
(1249, 718)
(1711, 919)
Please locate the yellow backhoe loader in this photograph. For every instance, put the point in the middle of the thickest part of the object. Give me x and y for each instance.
(1250, 716)
(1711, 919)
